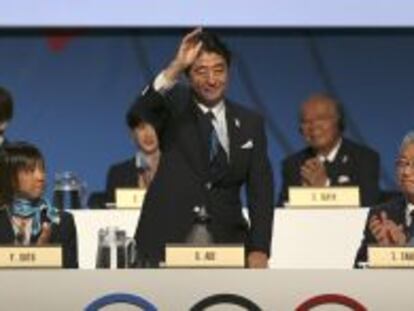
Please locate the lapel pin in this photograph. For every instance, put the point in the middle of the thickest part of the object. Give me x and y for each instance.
(237, 122)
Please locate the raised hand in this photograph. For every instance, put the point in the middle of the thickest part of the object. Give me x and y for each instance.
(187, 52)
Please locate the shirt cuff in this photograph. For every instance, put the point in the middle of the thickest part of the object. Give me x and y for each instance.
(162, 84)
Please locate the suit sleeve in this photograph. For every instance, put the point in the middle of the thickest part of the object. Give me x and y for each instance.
(260, 194)
(69, 241)
(369, 179)
(367, 240)
(110, 185)
(283, 196)
(157, 108)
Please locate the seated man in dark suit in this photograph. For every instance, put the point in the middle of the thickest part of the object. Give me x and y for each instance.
(392, 223)
(138, 171)
(330, 159)
(6, 113)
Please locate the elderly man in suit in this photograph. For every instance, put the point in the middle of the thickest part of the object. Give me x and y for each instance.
(330, 159)
(211, 147)
(392, 223)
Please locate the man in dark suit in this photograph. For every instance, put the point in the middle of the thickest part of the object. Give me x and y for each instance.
(392, 223)
(330, 159)
(138, 171)
(6, 114)
(210, 148)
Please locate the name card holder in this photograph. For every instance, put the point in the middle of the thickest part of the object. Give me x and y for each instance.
(49, 256)
(390, 257)
(129, 198)
(214, 256)
(323, 197)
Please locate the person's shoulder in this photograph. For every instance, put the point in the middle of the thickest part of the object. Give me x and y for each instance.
(362, 150)
(394, 205)
(122, 164)
(4, 212)
(242, 111)
(66, 218)
(179, 96)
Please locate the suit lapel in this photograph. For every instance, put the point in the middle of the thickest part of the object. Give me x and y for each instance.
(6, 228)
(235, 130)
(341, 168)
(133, 173)
(192, 141)
(232, 131)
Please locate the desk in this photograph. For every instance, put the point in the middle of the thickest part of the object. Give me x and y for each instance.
(177, 290)
(304, 239)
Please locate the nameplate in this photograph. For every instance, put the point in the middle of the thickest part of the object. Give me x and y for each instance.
(323, 197)
(30, 257)
(390, 257)
(215, 256)
(129, 198)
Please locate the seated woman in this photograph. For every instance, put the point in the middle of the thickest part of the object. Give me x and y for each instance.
(26, 217)
(138, 171)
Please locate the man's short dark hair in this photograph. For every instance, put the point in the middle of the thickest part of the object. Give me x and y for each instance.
(133, 118)
(213, 44)
(6, 105)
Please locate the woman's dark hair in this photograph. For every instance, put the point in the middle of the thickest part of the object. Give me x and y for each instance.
(14, 158)
(6, 105)
(133, 118)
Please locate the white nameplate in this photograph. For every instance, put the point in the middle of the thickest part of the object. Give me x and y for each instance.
(30, 257)
(129, 198)
(323, 197)
(390, 257)
(215, 256)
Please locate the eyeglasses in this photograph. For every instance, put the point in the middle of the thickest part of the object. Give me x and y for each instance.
(404, 164)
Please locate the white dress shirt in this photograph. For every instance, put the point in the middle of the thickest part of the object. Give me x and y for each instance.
(408, 210)
(330, 158)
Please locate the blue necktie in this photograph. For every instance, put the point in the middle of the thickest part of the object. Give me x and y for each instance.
(213, 140)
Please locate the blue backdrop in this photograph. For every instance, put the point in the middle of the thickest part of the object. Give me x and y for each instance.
(72, 89)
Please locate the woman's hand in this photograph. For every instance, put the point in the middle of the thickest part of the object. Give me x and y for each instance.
(45, 234)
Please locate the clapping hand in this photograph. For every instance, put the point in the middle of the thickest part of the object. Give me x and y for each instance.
(385, 231)
(313, 173)
(45, 234)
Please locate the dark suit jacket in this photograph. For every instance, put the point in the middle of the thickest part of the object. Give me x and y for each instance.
(395, 210)
(182, 181)
(358, 163)
(64, 233)
(121, 175)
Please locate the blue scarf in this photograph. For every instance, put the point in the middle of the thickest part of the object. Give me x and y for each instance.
(33, 209)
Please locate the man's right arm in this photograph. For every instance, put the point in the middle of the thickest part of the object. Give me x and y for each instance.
(153, 104)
